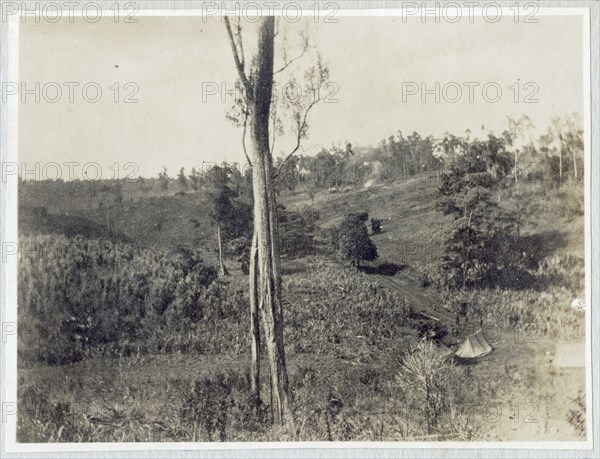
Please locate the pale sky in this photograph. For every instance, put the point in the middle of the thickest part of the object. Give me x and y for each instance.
(170, 58)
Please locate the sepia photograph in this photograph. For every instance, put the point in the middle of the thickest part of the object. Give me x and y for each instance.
(299, 225)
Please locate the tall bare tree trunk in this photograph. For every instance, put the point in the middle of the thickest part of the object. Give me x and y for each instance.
(221, 264)
(265, 264)
(575, 175)
(268, 288)
(254, 325)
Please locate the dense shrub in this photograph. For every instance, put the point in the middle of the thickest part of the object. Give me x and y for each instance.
(76, 296)
(376, 226)
(351, 240)
(428, 385)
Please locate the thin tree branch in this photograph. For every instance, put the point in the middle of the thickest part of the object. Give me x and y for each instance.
(299, 136)
(241, 47)
(236, 57)
(291, 61)
(239, 59)
(244, 138)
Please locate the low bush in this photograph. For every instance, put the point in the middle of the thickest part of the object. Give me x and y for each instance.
(79, 296)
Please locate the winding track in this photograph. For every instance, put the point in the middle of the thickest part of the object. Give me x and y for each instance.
(419, 300)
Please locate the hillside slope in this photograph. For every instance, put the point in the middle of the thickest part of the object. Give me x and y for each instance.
(153, 221)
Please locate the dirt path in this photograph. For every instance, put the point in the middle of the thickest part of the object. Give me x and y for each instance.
(422, 302)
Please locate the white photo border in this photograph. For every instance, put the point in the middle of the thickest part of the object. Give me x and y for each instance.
(9, 448)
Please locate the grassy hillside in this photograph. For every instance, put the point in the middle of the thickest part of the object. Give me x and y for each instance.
(155, 218)
(413, 229)
(346, 331)
(410, 222)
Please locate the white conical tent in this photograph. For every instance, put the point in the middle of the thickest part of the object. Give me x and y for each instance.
(474, 346)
